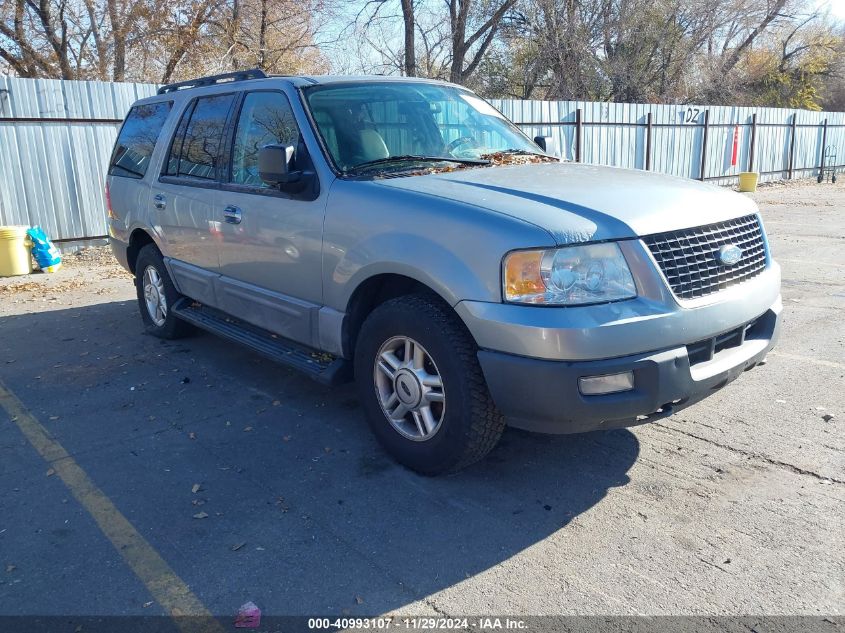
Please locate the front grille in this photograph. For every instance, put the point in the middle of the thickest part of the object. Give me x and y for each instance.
(688, 258)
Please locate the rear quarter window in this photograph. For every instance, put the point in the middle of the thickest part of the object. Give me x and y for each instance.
(137, 139)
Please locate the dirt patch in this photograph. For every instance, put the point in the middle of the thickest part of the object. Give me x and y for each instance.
(93, 256)
(84, 269)
(65, 285)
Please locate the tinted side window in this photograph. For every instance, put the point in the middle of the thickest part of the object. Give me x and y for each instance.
(200, 151)
(137, 139)
(266, 118)
(172, 166)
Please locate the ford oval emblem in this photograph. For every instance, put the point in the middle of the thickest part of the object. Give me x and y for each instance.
(729, 255)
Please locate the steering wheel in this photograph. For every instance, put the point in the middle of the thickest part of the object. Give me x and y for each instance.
(463, 140)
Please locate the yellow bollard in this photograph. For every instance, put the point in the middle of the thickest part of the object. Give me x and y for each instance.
(748, 181)
(14, 251)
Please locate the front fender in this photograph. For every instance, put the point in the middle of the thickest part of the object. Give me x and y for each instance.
(410, 256)
(454, 248)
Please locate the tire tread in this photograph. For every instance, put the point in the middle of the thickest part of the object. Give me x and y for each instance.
(486, 422)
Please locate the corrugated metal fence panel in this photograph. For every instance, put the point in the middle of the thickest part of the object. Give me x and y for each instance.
(544, 118)
(615, 134)
(676, 139)
(52, 173)
(53, 98)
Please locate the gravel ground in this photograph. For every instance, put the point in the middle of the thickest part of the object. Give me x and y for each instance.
(732, 507)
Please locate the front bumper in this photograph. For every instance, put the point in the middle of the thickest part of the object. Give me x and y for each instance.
(543, 395)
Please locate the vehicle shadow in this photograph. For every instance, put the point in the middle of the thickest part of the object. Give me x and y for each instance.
(288, 467)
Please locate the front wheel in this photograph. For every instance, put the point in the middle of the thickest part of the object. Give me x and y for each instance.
(422, 388)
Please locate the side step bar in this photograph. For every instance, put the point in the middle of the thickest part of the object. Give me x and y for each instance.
(323, 368)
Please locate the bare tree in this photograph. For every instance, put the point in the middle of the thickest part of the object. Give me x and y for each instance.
(472, 28)
(273, 35)
(409, 24)
(46, 54)
(772, 11)
(157, 40)
(467, 37)
(780, 52)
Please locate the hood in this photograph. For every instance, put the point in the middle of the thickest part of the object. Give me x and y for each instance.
(581, 203)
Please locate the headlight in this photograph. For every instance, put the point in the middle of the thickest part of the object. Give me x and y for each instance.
(571, 275)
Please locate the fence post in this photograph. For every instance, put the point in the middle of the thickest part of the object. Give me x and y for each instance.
(704, 145)
(648, 142)
(824, 143)
(753, 142)
(578, 131)
(791, 146)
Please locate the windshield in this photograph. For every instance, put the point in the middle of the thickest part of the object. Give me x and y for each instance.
(366, 124)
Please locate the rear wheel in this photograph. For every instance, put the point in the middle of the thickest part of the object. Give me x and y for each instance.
(157, 295)
(422, 388)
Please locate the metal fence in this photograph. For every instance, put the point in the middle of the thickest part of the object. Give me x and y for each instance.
(56, 138)
(713, 143)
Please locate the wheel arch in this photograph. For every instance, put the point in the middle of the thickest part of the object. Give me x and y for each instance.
(138, 239)
(376, 290)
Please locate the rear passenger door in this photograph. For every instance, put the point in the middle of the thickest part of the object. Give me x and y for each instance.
(184, 198)
(270, 248)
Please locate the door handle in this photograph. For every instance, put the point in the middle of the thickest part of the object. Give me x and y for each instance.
(232, 214)
(159, 201)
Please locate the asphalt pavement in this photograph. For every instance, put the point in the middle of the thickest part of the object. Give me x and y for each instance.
(242, 481)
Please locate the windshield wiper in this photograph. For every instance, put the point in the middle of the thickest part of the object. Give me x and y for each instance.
(412, 158)
(521, 152)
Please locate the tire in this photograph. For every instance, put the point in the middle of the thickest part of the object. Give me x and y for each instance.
(150, 271)
(819, 179)
(461, 429)
(833, 179)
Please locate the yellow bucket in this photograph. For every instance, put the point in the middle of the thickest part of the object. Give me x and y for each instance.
(14, 251)
(748, 181)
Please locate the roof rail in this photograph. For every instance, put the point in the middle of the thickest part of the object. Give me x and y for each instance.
(240, 75)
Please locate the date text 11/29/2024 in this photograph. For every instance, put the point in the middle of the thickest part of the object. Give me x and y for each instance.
(418, 623)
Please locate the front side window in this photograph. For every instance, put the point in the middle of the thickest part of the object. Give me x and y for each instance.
(137, 139)
(371, 123)
(266, 118)
(197, 148)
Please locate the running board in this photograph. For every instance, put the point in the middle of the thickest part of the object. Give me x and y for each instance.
(324, 368)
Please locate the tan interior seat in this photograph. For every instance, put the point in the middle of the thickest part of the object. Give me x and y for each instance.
(373, 146)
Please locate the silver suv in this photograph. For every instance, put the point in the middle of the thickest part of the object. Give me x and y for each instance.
(403, 232)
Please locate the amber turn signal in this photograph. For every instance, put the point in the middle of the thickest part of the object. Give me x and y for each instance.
(522, 274)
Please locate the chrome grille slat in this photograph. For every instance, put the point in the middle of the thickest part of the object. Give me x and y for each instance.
(688, 257)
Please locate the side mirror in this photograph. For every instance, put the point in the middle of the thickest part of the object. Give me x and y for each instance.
(274, 165)
(548, 145)
(543, 142)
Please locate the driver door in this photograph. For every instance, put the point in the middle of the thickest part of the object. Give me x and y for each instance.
(270, 241)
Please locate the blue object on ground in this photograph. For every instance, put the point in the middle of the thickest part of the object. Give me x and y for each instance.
(46, 255)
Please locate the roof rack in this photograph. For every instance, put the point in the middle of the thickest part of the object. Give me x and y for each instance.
(240, 75)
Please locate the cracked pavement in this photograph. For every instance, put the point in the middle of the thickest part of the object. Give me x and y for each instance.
(733, 506)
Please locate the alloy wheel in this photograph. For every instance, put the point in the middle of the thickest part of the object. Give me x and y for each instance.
(409, 388)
